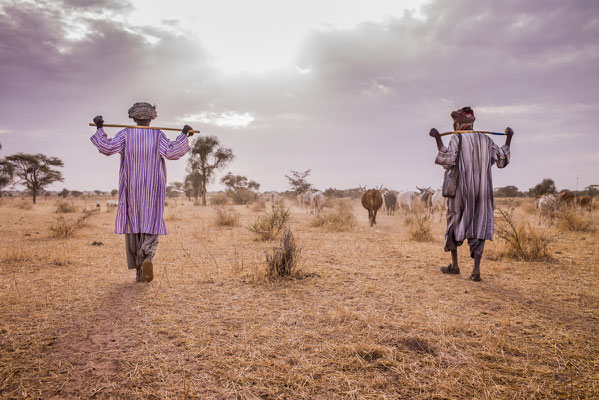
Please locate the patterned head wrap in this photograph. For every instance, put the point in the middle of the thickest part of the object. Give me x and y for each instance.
(142, 111)
(463, 118)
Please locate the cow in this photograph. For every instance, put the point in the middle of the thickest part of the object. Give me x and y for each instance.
(546, 207)
(275, 198)
(565, 197)
(303, 199)
(425, 197)
(390, 201)
(585, 202)
(439, 203)
(372, 200)
(406, 199)
(317, 201)
(111, 204)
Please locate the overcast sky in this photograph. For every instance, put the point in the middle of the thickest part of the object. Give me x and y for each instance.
(348, 89)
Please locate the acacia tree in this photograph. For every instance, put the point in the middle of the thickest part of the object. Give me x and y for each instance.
(298, 180)
(207, 156)
(35, 171)
(546, 186)
(193, 183)
(238, 182)
(6, 174)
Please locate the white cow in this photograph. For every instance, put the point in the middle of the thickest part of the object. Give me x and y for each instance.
(546, 207)
(439, 203)
(275, 198)
(406, 199)
(303, 199)
(111, 204)
(317, 201)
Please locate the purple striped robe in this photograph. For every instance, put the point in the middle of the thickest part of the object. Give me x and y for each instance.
(142, 175)
(470, 212)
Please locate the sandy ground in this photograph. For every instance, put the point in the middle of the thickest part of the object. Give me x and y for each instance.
(373, 318)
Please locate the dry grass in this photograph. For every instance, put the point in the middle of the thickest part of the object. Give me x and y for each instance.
(378, 322)
(284, 259)
(522, 241)
(24, 205)
(339, 220)
(259, 205)
(268, 225)
(219, 199)
(226, 217)
(63, 207)
(568, 219)
(63, 228)
(419, 227)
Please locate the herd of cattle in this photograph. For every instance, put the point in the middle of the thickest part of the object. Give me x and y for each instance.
(548, 205)
(374, 199)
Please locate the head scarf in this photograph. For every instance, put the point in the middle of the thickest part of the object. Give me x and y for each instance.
(463, 118)
(142, 111)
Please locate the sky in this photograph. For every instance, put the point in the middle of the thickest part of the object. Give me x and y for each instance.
(348, 89)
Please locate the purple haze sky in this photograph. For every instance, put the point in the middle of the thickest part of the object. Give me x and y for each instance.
(348, 91)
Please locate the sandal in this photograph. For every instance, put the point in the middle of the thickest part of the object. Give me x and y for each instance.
(450, 270)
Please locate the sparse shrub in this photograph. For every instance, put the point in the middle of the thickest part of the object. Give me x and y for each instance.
(284, 259)
(259, 205)
(419, 228)
(63, 228)
(522, 241)
(63, 207)
(219, 199)
(268, 225)
(25, 205)
(569, 220)
(530, 207)
(341, 219)
(226, 217)
(242, 196)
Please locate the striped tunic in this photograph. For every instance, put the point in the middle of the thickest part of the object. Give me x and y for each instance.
(142, 175)
(470, 212)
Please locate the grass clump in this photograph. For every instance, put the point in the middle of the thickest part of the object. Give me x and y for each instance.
(63, 207)
(268, 225)
(283, 260)
(419, 227)
(569, 220)
(219, 199)
(226, 217)
(341, 219)
(259, 205)
(25, 205)
(63, 228)
(522, 241)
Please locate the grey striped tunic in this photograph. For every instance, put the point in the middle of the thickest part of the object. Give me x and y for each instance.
(470, 212)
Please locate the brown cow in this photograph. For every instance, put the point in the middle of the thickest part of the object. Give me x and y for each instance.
(585, 202)
(565, 197)
(372, 201)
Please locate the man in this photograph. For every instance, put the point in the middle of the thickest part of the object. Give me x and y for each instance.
(142, 183)
(470, 212)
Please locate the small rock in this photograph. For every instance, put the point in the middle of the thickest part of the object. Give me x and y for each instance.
(96, 243)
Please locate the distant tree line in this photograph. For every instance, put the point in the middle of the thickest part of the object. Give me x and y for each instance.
(546, 186)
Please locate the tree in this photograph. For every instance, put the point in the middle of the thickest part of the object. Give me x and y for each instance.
(76, 193)
(98, 192)
(35, 171)
(114, 192)
(207, 156)
(298, 182)
(63, 193)
(507, 191)
(6, 174)
(193, 184)
(547, 186)
(592, 190)
(238, 182)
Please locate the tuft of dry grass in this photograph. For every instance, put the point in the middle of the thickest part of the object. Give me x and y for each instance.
(268, 225)
(419, 227)
(219, 199)
(64, 207)
(226, 217)
(569, 220)
(283, 260)
(339, 220)
(24, 205)
(63, 228)
(259, 205)
(522, 241)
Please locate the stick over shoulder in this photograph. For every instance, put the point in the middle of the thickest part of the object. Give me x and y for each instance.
(144, 127)
(472, 131)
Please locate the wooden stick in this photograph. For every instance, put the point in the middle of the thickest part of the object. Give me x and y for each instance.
(144, 127)
(487, 132)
